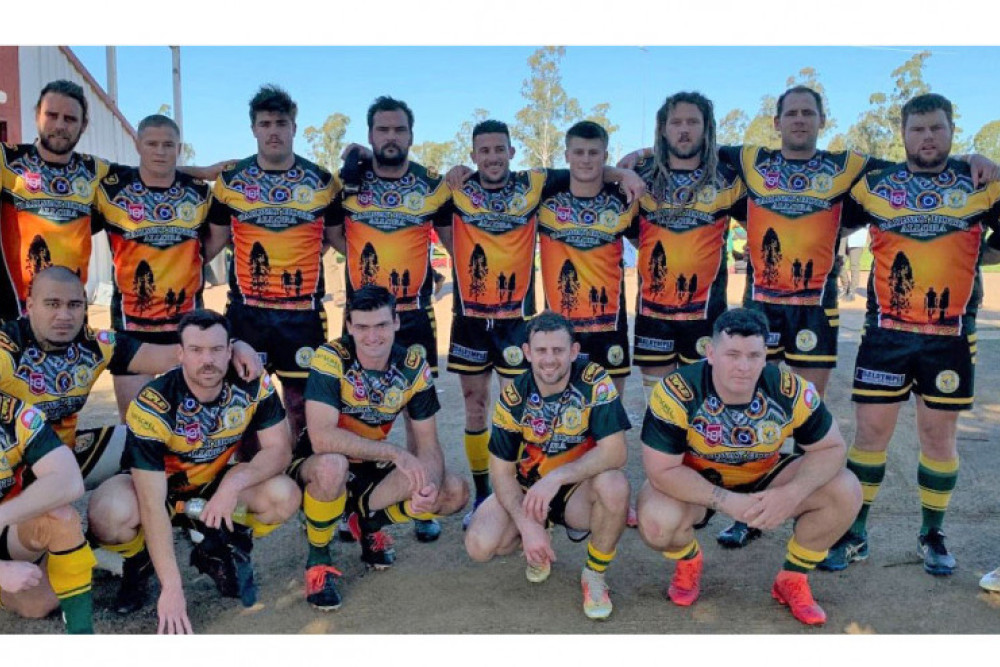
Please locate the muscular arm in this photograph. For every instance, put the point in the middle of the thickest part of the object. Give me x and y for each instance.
(58, 482)
(215, 240)
(668, 475)
(534, 538)
(428, 449)
(444, 233)
(335, 238)
(328, 438)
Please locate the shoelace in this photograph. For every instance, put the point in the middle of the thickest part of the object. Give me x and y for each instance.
(687, 574)
(380, 540)
(798, 593)
(597, 588)
(316, 576)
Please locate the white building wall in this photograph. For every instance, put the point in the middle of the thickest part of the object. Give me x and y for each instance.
(106, 136)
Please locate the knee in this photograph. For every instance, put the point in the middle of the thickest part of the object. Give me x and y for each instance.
(454, 496)
(35, 606)
(56, 528)
(284, 496)
(112, 510)
(612, 490)
(479, 549)
(475, 404)
(328, 472)
(844, 492)
(873, 434)
(657, 524)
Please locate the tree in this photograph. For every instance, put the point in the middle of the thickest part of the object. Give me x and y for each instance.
(730, 130)
(809, 77)
(987, 140)
(760, 130)
(326, 143)
(463, 138)
(187, 150)
(435, 155)
(549, 108)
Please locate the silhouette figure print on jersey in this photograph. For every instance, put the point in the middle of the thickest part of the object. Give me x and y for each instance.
(143, 286)
(478, 270)
(260, 268)
(901, 284)
(569, 287)
(771, 248)
(658, 269)
(369, 265)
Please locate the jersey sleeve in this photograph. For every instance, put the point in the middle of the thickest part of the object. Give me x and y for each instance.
(810, 418)
(853, 214)
(556, 180)
(146, 435)
(443, 216)
(664, 427)
(607, 414)
(732, 156)
(325, 374)
(505, 434)
(125, 349)
(270, 411)
(34, 431)
(423, 403)
(219, 213)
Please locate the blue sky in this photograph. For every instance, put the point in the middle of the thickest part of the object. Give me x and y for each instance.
(444, 84)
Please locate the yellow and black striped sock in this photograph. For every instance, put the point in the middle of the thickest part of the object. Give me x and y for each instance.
(478, 453)
(597, 560)
(800, 559)
(684, 553)
(870, 470)
(936, 480)
(397, 513)
(71, 573)
(260, 529)
(321, 519)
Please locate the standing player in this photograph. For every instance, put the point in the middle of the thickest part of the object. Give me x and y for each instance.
(712, 434)
(154, 216)
(928, 227)
(274, 205)
(557, 452)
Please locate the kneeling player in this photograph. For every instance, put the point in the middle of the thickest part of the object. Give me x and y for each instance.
(357, 387)
(38, 480)
(182, 432)
(557, 449)
(712, 434)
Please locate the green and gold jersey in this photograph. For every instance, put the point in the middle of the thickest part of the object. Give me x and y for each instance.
(793, 221)
(44, 217)
(25, 438)
(170, 430)
(387, 225)
(682, 241)
(58, 382)
(738, 443)
(370, 400)
(277, 219)
(540, 433)
(583, 276)
(493, 232)
(927, 236)
(155, 237)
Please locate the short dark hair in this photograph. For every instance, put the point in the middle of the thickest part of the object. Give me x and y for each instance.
(491, 127)
(801, 89)
(741, 322)
(587, 129)
(272, 98)
(203, 318)
(370, 298)
(547, 321)
(157, 120)
(386, 103)
(57, 273)
(67, 88)
(927, 103)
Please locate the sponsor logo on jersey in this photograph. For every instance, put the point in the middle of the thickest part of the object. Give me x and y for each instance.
(768, 432)
(186, 211)
(303, 194)
(32, 181)
(155, 400)
(413, 358)
(393, 398)
(538, 426)
(713, 434)
(955, 198)
(701, 346)
(513, 355)
(787, 384)
(81, 188)
(810, 396)
(947, 382)
(772, 179)
(564, 213)
(616, 355)
(822, 183)
(679, 387)
(136, 212)
(105, 337)
(590, 373)
(510, 395)
(572, 418)
(304, 356)
(251, 193)
(192, 432)
(31, 418)
(897, 198)
(233, 418)
(806, 340)
(36, 383)
(6, 409)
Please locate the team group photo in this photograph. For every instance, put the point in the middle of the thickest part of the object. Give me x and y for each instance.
(528, 380)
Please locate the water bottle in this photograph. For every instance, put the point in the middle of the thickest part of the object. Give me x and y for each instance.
(193, 509)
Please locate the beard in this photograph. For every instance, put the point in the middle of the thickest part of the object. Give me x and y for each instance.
(391, 160)
(933, 163)
(488, 181)
(58, 144)
(685, 155)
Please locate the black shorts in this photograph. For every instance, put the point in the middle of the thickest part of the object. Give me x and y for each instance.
(418, 327)
(752, 487)
(362, 478)
(940, 369)
(285, 339)
(663, 342)
(804, 336)
(609, 349)
(151, 337)
(479, 344)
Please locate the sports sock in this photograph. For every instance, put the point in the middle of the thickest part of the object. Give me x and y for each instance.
(684, 553)
(397, 513)
(800, 559)
(597, 560)
(71, 573)
(870, 470)
(321, 519)
(476, 450)
(936, 480)
(130, 548)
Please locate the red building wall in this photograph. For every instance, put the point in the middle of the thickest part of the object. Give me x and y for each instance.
(10, 111)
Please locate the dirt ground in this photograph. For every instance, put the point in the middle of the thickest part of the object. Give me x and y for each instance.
(435, 588)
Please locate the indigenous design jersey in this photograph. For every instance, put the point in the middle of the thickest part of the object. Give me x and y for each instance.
(58, 382)
(540, 433)
(170, 430)
(155, 241)
(277, 223)
(24, 439)
(682, 241)
(927, 234)
(493, 233)
(44, 216)
(581, 245)
(369, 401)
(387, 225)
(793, 221)
(740, 443)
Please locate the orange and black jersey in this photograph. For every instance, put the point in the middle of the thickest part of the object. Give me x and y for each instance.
(493, 233)
(682, 241)
(170, 430)
(793, 220)
(387, 225)
(583, 276)
(155, 237)
(25, 438)
(44, 217)
(740, 443)
(277, 219)
(928, 232)
(540, 433)
(58, 382)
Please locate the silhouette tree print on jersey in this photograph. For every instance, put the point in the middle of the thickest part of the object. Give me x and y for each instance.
(943, 301)
(406, 282)
(595, 299)
(511, 286)
(771, 249)
(39, 256)
(369, 265)
(298, 282)
(260, 268)
(143, 286)
(692, 287)
(930, 303)
(658, 269)
(807, 274)
(478, 270)
(901, 284)
(569, 287)
(286, 281)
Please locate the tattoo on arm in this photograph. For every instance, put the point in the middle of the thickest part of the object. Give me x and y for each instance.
(718, 496)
